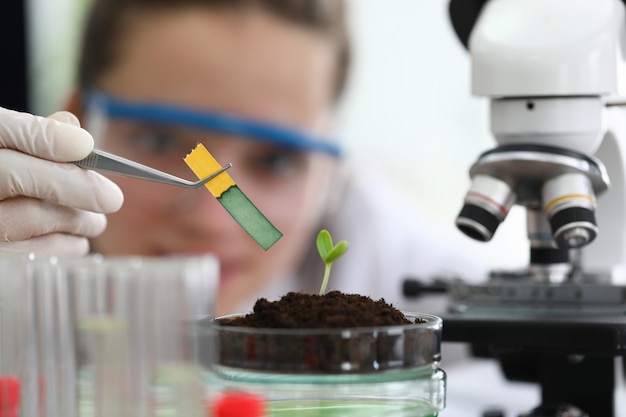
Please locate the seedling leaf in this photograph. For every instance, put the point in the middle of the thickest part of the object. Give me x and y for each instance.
(336, 252)
(324, 244)
(329, 254)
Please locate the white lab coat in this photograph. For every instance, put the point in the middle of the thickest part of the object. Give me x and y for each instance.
(390, 239)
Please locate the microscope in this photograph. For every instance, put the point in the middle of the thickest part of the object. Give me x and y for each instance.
(550, 69)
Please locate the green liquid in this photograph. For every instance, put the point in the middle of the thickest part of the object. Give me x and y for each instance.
(349, 408)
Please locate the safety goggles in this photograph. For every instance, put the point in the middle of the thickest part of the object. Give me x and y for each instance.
(210, 121)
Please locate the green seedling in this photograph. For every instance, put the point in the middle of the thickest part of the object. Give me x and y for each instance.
(329, 253)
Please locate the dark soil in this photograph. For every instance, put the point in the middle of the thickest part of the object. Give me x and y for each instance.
(312, 311)
(321, 352)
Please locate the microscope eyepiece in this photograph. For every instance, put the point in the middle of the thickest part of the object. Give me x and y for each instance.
(487, 204)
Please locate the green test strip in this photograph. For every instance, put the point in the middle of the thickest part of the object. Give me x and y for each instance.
(202, 163)
(249, 217)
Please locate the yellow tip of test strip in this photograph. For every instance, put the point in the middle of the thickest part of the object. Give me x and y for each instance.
(202, 163)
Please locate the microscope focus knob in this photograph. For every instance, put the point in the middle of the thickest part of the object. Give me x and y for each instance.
(569, 202)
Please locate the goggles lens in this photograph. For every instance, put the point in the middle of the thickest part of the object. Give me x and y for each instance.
(153, 112)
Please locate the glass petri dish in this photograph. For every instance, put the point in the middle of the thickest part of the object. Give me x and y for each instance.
(365, 371)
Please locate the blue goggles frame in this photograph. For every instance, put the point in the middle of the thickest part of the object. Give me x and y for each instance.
(210, 121)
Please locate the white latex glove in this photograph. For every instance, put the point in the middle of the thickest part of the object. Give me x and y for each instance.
(48, 206)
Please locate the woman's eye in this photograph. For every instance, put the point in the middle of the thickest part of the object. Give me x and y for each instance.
(156, 141)
(278, 163)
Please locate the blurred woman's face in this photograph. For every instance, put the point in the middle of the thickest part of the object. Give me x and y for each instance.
(247, 64)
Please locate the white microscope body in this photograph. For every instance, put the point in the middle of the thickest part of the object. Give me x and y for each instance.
(551, 70)
(549, 67)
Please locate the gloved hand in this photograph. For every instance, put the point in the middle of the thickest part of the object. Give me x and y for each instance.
(48, 206)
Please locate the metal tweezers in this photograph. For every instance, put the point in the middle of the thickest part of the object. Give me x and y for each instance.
(101, 161)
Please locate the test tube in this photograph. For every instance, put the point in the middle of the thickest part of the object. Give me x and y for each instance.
(54, 337)
(96, 290)
(12, 333)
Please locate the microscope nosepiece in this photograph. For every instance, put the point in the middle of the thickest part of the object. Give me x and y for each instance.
(486, 205)
(569, 202)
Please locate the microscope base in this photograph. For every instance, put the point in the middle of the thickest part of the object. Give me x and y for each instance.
(572, 356)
